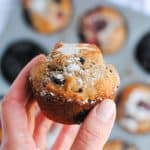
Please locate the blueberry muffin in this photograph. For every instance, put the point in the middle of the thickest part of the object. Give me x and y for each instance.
(47, 16)
(119, 145)
(71, 80)
(134, 108)
(104, 27)
(16, 56)
(142, 53)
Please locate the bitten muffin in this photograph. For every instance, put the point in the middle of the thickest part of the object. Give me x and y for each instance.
(134, 108)
(104, 27)
(71, 81)
(16, 56)
(119, 145)
(47, 16)
(142, 53)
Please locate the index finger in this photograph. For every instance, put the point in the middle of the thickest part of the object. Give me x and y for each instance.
(96, 128)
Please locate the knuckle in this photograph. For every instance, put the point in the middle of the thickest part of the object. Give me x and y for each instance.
(89, 133)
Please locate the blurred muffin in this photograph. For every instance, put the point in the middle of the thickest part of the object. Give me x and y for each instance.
(142, 52)
(134, 108)
(48, 16)
(71, 81)
(104, 27)
(16, 56)
(118, 145)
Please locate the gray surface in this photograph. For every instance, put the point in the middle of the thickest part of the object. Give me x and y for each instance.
(123, 60)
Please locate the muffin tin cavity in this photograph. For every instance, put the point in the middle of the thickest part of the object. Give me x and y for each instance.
(16, 56)
(142, 53)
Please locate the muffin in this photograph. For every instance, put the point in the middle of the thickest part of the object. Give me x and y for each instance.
(47, 16)
(134, 108)
(142, 53)
(119, 145)
(16, 56)
(71, 80)
(104, 27)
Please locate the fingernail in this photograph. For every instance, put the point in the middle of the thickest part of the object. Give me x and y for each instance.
(105, 110)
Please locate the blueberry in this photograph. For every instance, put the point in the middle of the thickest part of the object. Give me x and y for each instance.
(80, 90)
(82, 60)
(57, 81)
(100, 25)
(81, 116)
(126, 146)
(144, 105)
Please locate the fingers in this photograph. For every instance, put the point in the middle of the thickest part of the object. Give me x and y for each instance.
(14, 122)
(42, 126)
(14, 117)
(19, 89)
(66, 137)
(96, 128)
(32, 110)
(14, 127)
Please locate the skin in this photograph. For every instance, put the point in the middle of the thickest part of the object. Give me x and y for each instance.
(16, 127)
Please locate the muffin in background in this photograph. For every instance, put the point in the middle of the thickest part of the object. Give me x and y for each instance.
(105, 27)
(134, 108)
(47, 16)
(118, 144)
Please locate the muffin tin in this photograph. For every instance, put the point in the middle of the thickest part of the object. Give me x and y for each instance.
(124, 60)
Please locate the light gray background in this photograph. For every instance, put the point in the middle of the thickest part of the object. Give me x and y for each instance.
(124, 61)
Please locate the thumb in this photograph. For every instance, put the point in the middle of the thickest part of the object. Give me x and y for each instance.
(96, 128)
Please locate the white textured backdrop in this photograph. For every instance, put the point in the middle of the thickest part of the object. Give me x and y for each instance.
(142, 6)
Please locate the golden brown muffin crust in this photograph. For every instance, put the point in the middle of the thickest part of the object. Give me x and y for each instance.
(74, 77)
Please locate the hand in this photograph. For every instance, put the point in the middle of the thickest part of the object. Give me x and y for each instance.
(17, 134)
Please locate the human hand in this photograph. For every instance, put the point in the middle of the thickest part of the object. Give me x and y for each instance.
(16, 127)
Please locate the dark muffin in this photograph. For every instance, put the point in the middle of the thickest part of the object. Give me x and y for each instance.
(134, 108)
(119, 145)
(71, 81)
(16, 56)
(104, 27)
(47, 16)
(142, 52)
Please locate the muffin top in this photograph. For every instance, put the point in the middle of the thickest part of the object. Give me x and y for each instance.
(76, 71)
